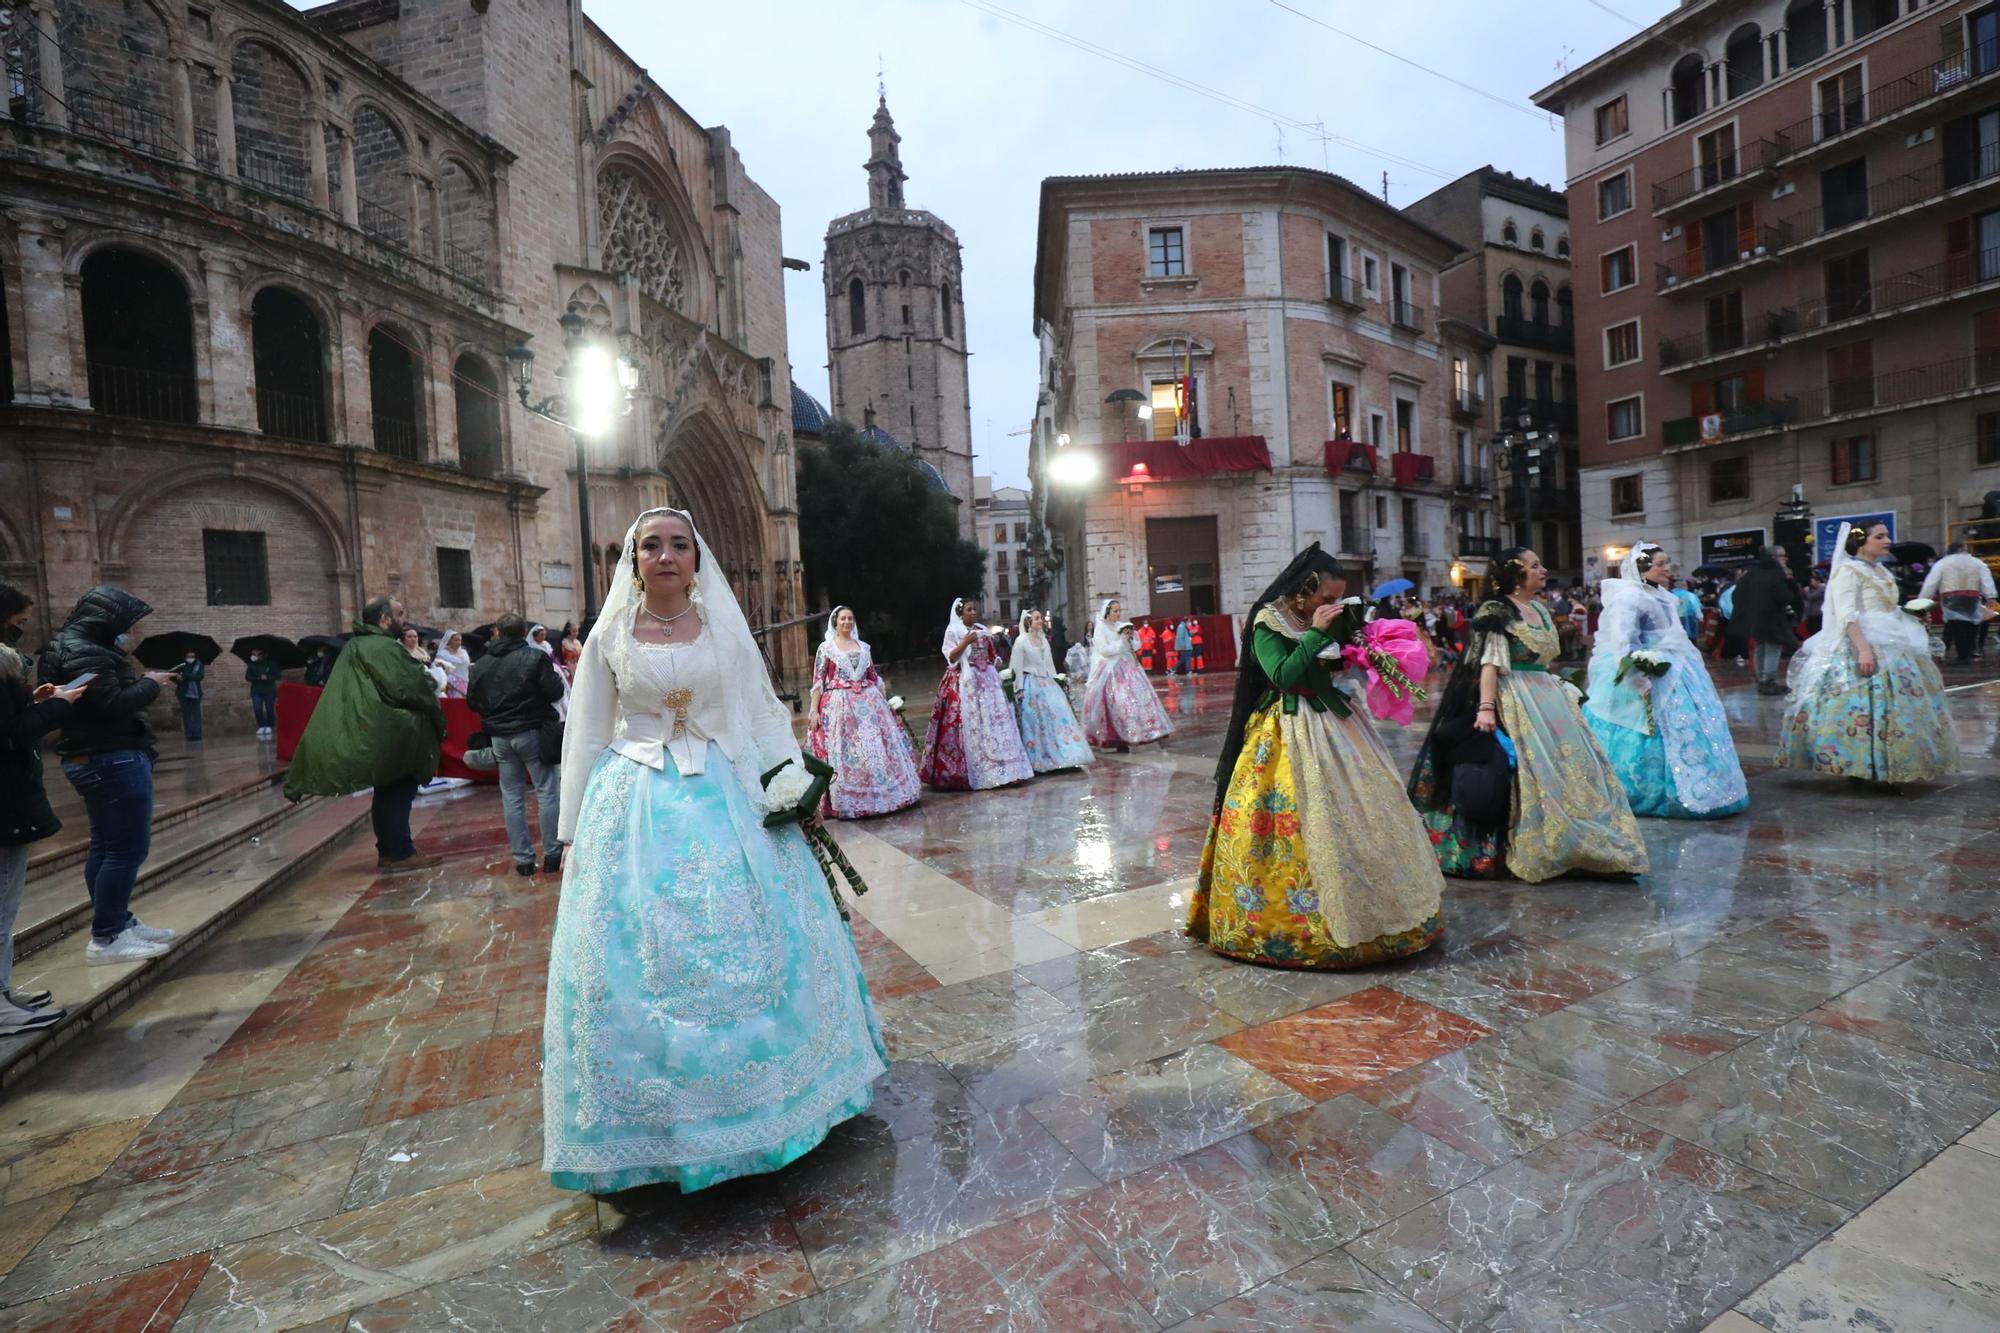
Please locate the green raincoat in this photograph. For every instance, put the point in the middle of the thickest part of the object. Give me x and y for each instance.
(377, 722)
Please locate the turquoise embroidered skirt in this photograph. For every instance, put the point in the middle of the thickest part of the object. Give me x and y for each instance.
(707, 1016)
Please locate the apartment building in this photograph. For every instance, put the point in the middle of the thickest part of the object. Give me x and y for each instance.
(1237, 362)
(1513, 282)
(1786, 223)
(1000, 522)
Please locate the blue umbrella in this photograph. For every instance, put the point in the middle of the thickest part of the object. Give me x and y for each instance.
(1390, 589)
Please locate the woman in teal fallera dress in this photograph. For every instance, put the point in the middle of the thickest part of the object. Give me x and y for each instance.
(707, 1016)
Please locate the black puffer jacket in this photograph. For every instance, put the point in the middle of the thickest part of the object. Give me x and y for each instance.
(514, 688)
(25, 815)
(111, 715)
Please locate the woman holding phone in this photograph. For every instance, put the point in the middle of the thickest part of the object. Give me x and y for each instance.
(107, 755)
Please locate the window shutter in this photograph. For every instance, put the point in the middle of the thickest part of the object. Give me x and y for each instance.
(1986, 346)
(1753, 385)
(1603, 274)
(1951, 39)
(1958, 252)
(1692, 236)
(1746, 227)
(1702, 398)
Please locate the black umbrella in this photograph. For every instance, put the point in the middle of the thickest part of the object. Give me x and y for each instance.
(274, 646)
(1716, 571)
(1912, 553)
(425, 633)
(478, 640)
(312, 643)
(162, 652)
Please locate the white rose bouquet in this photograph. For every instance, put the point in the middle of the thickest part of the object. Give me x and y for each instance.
(1919, 606)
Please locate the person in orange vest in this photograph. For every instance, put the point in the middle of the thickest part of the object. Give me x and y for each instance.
(1200, 663)
(1148, 642)
(1169, 644)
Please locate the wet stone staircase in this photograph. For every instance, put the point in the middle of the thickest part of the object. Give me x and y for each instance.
(224, 839)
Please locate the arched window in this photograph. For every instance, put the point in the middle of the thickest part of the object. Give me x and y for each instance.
(1805, 32)
(116, 61)
(1565, 308)
(1510, 296)
(1536, 241)
(382, 185)
(1562, 246)
(1743, 60)
(288, 354)
(902, 277)
(640, 239)
(269, 103)
(476, 396)
(468, 223)
(1538, 302)
(1687, 88)
(395, 394)
(1509, 233)
(944, 305)
(138, 337)
(857, 307)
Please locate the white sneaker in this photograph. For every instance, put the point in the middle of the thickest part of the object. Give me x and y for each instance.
(150, 934)
(127, 948)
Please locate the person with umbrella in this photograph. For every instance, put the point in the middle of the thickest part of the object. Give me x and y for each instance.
(107, 755)
(187, 689)
(319, 670)
(378, 725)
(261, 675)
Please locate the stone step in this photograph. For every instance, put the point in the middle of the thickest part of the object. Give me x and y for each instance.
(196, 903)
(178, 799)
(56, 903)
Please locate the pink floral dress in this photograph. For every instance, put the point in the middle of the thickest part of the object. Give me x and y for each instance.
(855, 732)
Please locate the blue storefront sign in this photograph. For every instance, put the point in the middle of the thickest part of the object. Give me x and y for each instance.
(1826, 531)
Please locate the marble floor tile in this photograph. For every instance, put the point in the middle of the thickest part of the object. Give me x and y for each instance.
(1368, 1035)
(148, 1301)
(1021, 1066)
(1615, 1226)
(475, 1138)
(919, 1096)
(1484, 1106)
(968, 1011)
(1165, 1108)
(151, 1221)
(76, 1158)
(1986, 1136)
(691, 1265)
(1256, 995)
(1945, 1002)
(1025, 1276)
(1330, 1294)
(432, 1077)
(865, 1200)
(1924, 1256)
(1682, 1014)
(1825, 1111)
(1106, 976)
(340, 1263)
(1507, 981)
(30, 1219)
(196, 1134)
(1617, 1061)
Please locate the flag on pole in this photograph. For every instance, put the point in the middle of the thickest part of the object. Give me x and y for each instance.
(1184, 398)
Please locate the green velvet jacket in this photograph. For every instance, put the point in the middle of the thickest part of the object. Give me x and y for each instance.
(378, 722)
(1297, 672)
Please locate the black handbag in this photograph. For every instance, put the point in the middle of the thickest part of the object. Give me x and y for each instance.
(550, 734)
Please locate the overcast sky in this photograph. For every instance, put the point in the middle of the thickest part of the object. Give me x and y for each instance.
(987, 107)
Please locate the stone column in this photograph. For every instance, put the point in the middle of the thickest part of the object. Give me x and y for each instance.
(350, 188)
(184, 110)
(414, 194)
(54, 99)
(443, 404)
(225, 122)
(322, 192)
(434, 210)
(55, 375)
(1826, 20)
(231, 369)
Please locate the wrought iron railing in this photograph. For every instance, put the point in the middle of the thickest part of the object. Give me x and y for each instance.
(1405, 315)
(1468, 404)
(1474, 479)
(1534, 333)
(292, 416)
(1928, 283)
(1687, 266)
(1891, 98)
(144, 392)
(465, 265)
(1546, 412)
(1416, 543)
(1487, 547)
(1343, 290)
(135, 126)
(398, 438)
(1758, 156)
(1768, 414)
(383, 222)
(275, 172)
(1978, 373)
(1903, 190)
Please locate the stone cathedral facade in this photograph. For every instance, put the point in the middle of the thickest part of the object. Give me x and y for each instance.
(895, 321)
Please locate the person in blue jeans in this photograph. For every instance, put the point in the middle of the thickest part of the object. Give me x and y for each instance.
(107, 755)
(515, 690)
(187, 688)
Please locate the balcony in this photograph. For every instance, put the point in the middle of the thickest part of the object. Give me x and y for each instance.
(1750, 419)
(1405, 315)
(1416, 545)
(1896, 196)
(1891, 101)
(1343, 290)
(1412, 469)
(1473, 480)
(1931, 285)
(1692, 268)
(1706, 181)
(1917, 386)
(1549, 497)
(276, 173)
(150, 395)
(96, 116)
(291, 416)
(1546, 412)
(1479, 548)
(1468, 406)
(1521, 332)
(1718, 342)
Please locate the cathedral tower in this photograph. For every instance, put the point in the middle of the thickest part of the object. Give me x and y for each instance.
(895, 321)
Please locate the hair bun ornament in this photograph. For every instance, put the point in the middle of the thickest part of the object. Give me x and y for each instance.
(1855, 538)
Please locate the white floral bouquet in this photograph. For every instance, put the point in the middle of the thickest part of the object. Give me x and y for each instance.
(1062, 678)
(1919, 606)
(896, 703)
(1649, 665)
(1006, 673)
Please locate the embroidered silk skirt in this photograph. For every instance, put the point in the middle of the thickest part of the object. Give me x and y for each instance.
(1889, 727)
(1316, 857)
(707, 1016)
(1120, 707)
(1049, 732)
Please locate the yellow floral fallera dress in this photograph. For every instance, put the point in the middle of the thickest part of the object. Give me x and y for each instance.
(1570, 812)
(1315, 857)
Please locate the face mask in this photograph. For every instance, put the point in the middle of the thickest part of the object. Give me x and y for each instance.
(122, 640)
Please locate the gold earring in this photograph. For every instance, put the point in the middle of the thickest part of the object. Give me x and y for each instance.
(638, 581)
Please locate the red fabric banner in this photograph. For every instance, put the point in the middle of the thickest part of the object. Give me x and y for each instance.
(1218, 638)
(295, 708)
(1339, 453)
(1167, 461)
(1411, 468)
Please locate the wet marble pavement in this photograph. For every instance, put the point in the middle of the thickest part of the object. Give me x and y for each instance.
(1755, 1090)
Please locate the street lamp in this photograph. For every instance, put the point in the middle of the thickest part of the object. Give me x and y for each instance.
(597, 387)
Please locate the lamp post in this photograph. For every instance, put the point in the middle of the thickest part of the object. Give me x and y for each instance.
(596, 387)
(1523, 451)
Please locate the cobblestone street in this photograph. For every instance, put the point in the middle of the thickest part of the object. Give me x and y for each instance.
(1759, 1080)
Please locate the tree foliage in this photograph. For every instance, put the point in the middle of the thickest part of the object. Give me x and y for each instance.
(876, 536)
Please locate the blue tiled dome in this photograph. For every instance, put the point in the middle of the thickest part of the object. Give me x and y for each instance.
(809, 415)
(934, 477)
(876, 435)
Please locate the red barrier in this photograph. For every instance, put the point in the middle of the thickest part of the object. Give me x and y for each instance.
(1218, 638)
(295, 707)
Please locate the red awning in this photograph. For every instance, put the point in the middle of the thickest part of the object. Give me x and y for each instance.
(1341, 453)
(1167, 461)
